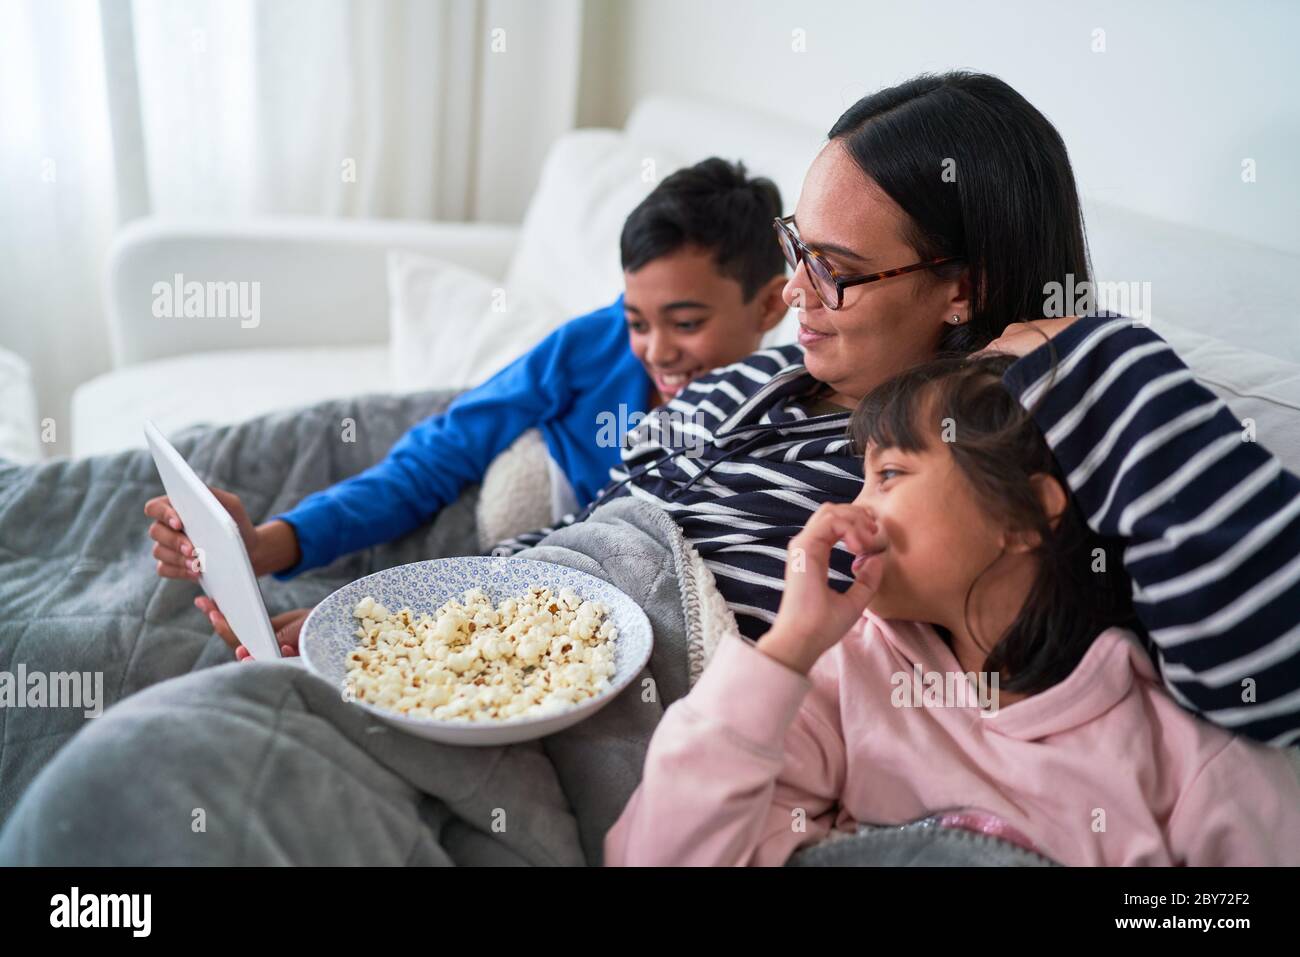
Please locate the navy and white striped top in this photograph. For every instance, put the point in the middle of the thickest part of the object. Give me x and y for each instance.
(1210, 519)
(1211, 522)
(740, 463)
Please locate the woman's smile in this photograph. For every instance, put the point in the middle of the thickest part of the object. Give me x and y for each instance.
(809, 336)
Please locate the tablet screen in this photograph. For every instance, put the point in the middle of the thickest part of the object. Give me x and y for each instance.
(226, 573)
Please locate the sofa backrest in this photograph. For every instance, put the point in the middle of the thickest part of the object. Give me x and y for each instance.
(769, 145)
(1202, 280)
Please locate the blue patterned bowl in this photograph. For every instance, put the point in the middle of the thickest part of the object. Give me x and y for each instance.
(328, 634)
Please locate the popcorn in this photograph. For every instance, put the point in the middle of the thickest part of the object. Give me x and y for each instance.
(533, 654)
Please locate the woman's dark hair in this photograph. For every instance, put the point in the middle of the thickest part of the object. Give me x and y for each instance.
(999, 448)
(716, 206)
(981, 174)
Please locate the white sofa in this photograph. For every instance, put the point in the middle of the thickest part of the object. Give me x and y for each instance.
(324, 326)
(323, 330)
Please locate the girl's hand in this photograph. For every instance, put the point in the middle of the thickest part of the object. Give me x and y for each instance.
(288, 628)
(813, 617)
(174, 550)
(1022, 338)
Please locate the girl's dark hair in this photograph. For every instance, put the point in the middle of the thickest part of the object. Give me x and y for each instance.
(716, 206)
(998, 447)
(981, 174)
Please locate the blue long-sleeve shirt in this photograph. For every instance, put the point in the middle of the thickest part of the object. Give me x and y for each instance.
(581, 386)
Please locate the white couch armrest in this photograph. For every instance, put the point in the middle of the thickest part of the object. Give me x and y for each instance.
(19, 429)
(320, 282)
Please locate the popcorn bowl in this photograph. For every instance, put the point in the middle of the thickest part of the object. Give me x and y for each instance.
(329, 635)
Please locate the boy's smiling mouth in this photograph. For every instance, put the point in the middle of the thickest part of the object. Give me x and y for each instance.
(673, 382)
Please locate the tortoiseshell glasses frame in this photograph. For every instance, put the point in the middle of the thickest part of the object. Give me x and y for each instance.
(827, 282)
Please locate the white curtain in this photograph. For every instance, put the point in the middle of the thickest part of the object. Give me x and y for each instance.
(111, 110)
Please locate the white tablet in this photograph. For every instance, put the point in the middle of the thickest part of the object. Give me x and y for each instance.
(226, 573)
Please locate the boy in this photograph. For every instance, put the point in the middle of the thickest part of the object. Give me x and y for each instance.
(703, 282)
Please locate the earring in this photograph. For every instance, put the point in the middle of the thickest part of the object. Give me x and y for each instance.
(955, 320)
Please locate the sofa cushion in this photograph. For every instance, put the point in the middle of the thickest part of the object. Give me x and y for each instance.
(568, 246)
(1258, 387)
(453, 328)
(219, 387)
(516, 493)
(1209, 283)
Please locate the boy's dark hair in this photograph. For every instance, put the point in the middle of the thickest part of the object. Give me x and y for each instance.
(998, 447)
(716, 206)
(1009, 209)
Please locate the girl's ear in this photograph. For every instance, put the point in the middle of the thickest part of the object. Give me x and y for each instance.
(1051, 495)
(1054, 501)
(772, 307)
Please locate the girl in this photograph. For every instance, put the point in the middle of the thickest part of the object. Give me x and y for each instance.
(975, 563)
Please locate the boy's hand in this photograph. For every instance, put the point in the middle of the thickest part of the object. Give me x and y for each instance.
(174, 550)
(287, 625)
(813, 617)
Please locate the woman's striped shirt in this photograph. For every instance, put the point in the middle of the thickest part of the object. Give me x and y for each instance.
(1209, 519)
(740, 463)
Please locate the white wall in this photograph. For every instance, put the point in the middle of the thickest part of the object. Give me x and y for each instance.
(1159, 122)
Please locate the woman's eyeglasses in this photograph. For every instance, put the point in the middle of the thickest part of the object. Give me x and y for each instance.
(829, 284)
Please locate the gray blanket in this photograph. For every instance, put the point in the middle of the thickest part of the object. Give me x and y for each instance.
(263, 763)
(266, 764)
(78, 592)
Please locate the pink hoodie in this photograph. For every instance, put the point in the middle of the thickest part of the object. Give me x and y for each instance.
(1103, 768)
